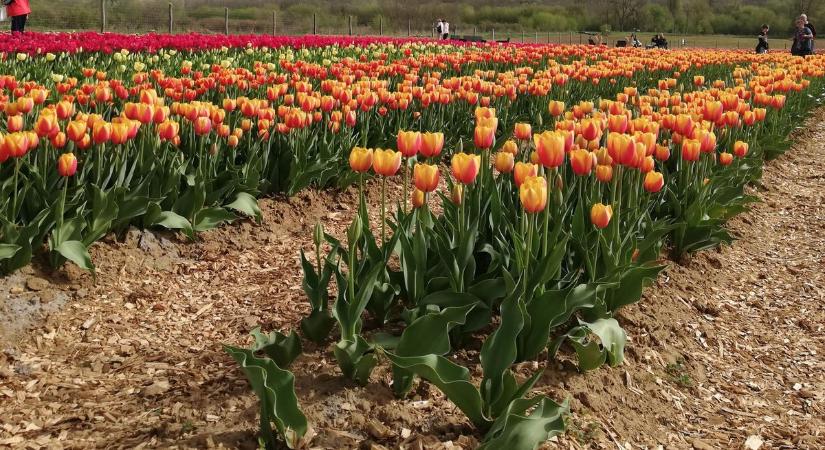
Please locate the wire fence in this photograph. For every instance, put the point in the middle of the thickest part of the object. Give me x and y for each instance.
(214, 17)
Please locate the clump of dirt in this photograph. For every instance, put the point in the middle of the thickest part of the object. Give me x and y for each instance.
(724, 352)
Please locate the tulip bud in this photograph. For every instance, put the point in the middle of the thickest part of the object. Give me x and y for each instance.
(533, 194)
(510, 147)
(354, 232)
(67, 165)
(318, 234)
(457, 194)
(425, 177)
(504, 162)
(417, 198)
(600, 215)
(654, 181)
(360, 159)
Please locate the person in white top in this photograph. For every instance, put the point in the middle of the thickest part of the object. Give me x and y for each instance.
(445, 30)
(439, 28)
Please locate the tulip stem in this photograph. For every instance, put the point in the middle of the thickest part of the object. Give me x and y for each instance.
(528, 253)
(406, 175)
(59, 218)
(383, 210)
(15, 190)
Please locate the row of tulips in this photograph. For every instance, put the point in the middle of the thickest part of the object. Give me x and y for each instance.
(569, 167)
(552, 225)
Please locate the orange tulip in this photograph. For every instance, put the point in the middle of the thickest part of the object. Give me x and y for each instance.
(523, 131)
(533, 194)
(168, 130)
(590, 129)
(691, 149)
(484, 136)
(75, 130)
(713, 111)
(360, 159)
(617, 123)
(64, 110)
(604, 173)
(14, 123)
(556, 108)
(386, 162)
(17, 144)
(425, 177)
(432, 144)
(740, 148)
(581, 162)
(120, 133)
(725, 158)
(417, 198)
(510, 147)
(550, 148)
(465, 167)
(409, 143)
(622, 148)
(654, 181)
(600, 215)
(646, 164)
(504, 162)
(522, 171)
(46, 125)
(684, 125)
(101, 132)
(67, 165)
(58, 140)
(662, 152)
(203, 125)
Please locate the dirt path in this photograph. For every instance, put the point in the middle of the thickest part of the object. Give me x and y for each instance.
(724, 350)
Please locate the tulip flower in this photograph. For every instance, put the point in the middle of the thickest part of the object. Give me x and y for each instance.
(617, 123)
(101, 132)
(662, 152)
(67, 165)
(556, 108)
(58, 140)
(202, 125)
(425, 177)
(740, 148)
(522, 171)
(581, 161)
(550, 148)
(409, 143)
(533, 194)
(725, 158)
(168, 130)
(457, 194)
(654, 181)
(590, 129)
(465, 167)
(14, 124)
(432, 144)
(523, 131)
(418, 198)
(622, 148)
(483, 137)
(604, 173)
(386, 162)
(600, 215)
(504, 162)
(360, 159)
(120, 133)
(691, 149)
(510, 147)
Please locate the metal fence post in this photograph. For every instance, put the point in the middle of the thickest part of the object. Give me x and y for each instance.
(350, 25)
(274, 22)
(171, 19)
(409, 28)
(494, 34)
(314, 23)
(537, 37)
(380, 25)
(102, 16)
(226, 21)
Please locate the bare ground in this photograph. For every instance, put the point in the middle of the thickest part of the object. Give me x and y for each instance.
(725, 349)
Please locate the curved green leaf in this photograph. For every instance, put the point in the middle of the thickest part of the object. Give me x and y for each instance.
(246, 204)
(76, 252)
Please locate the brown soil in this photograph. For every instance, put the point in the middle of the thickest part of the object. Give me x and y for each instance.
(725, 350)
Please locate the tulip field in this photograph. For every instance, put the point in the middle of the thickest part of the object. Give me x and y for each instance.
(543, 187)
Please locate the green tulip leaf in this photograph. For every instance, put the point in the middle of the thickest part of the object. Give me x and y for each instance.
(77, 253)
(246, 204)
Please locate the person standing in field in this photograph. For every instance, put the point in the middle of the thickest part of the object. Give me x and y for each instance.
(18, 11)
(803, 39)
(439, 28)
(762, 43)
(813, 31)
(445, 30)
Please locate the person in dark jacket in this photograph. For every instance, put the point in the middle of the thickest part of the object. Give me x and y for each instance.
(18, 11)
(803, 39)
(762, 43)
